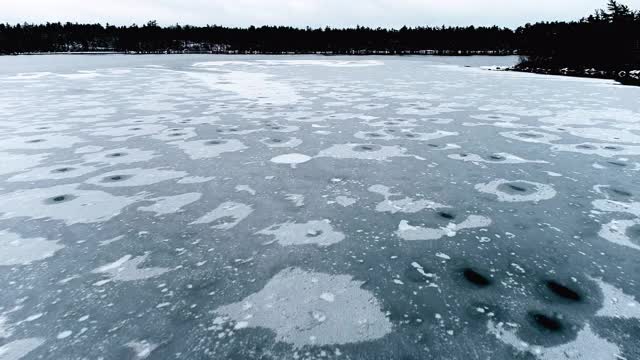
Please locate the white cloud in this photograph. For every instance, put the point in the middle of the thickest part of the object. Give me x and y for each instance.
(385, 13)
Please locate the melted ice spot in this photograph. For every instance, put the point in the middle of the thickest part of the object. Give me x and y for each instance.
(364, 152)
(203, 149)
(127, 269)
(171, 204)
(291, 159)
(16, 250)
(135, 177)
(412, 233)
(233, 211)
(617, 304)
(587, 345)
(18, 349)
(319, 232)
(405, 205)
(294, 305)
(142, 349)
(82, 206)
(245, 188)
(296, 199)
(345, 201)
(497, 187)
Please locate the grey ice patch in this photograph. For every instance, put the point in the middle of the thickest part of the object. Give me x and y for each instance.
(374, 135)
(245, 188)
(605, 134)
(587, 117)
(226, 215)
(345, 201)
(195, 179)
(88, 149)
(234, 130)
(171, 204)
(134, 177)
(440, 121)
(284, 128)
(174, 134)
(539, 193)
(418, 136)
(319, 232)
(18, 349)
(405, 205)
(110, 241)
(86, 75)
(142, 349)
(445, 147)
(296, 199)
(365, 152)
(30, 75)
(56, 172)
(278, 143)
(126, 132)
(587, 345)
(497, 158)
(506, 125)
(203, 149)
(616, 303)
(119, 156)
(6, 329)
(423, 109)
(63, 202)
(607, 150)
(393, 122)
(531, 136)
(607, 205)
(328, 63)
(365, 107)
(40, 142)
(616, 232)
(514, 110)
(413, 233)
(13, 163)
(127, 269)
(258, 87)
(495, 118)
(288, 63)
(16, 250)
(404, 134)
(312, 309)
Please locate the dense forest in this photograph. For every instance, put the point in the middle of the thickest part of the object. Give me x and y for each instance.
(150, 38)
(606, 42)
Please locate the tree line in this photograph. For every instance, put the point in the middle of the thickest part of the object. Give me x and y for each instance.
(151, 38)
(607, 40)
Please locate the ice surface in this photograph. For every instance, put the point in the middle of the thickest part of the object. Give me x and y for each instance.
(318, 232)
(314, 207)
(226, 216)
(15, 250)
(309, 308)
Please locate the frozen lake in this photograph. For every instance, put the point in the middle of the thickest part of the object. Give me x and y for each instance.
(221, 207)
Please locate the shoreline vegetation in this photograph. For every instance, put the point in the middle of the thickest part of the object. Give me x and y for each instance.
(603, 45)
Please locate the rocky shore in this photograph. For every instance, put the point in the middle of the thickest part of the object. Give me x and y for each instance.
(626, 77)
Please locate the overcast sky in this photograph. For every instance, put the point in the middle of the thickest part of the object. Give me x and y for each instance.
(384, 13)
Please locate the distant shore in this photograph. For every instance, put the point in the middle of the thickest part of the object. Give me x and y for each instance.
(604, 44)
(327, 53)
(624, 77)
